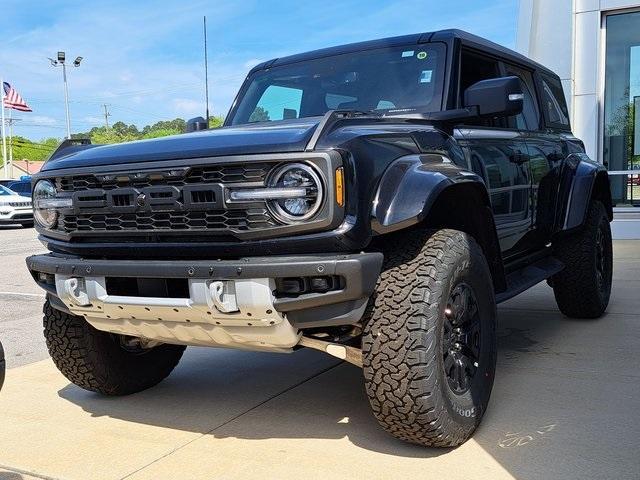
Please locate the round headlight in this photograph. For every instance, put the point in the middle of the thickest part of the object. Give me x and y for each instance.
(296, 209)
(43, 191)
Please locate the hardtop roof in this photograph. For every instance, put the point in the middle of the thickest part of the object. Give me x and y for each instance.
(447, 36)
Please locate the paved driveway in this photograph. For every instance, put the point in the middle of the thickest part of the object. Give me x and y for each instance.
(565, 404)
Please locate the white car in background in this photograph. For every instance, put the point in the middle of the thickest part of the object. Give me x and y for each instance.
(14, 208)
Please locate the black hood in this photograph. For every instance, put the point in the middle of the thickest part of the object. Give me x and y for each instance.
(274, 137)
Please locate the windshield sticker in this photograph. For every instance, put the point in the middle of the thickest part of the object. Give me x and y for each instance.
(408, 53)
(425, 76)
(421, 55)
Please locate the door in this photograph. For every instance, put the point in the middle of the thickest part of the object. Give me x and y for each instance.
(496, 150)
(545, 152)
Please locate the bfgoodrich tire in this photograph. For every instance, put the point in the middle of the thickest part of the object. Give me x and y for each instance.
(429, 344)
(583, 288)
(96, 360)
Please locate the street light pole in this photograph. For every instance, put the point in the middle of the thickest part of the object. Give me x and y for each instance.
(61, 62)
(66, 99)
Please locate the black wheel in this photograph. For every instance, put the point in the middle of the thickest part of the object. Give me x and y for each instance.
(429, 343)
(103, 362)
(583, 288)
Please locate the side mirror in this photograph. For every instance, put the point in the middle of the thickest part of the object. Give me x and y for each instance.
(195, 124)
(495, 97)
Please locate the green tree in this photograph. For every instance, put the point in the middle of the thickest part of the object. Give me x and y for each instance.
(161, 132)
(216, 121)
(259, 115)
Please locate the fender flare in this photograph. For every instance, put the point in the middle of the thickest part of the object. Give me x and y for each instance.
(581, 180)
(410, 186)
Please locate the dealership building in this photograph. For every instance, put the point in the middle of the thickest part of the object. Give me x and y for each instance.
(594, 46)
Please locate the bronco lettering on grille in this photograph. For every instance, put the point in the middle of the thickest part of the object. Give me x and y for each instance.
(152, 198)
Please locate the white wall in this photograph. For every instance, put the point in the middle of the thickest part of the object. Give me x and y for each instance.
(565, 35)
(545, 34)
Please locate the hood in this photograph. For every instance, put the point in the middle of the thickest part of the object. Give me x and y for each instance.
(275, 137)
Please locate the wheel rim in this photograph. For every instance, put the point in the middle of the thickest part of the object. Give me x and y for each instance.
(461, 338)
(600, 258)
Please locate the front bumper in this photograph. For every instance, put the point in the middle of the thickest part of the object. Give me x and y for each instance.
(15, 215)
(195, 319)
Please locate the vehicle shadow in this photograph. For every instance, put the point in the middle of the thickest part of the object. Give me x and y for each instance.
(552, 377)
(228, 393)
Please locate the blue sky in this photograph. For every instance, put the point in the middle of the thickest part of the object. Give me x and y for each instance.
(144, 58)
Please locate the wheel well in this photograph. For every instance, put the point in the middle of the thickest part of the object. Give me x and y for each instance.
(602, 191)
(466, 207)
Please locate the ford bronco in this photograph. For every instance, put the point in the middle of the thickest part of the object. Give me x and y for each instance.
(374, 201)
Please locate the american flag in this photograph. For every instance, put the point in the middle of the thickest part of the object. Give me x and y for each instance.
(12, 99)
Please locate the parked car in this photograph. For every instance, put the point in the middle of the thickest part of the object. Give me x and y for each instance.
(21, 187)
(374, 201)
(14, 208)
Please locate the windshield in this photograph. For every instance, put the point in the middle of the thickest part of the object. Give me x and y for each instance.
(384, 80)
(5, 191)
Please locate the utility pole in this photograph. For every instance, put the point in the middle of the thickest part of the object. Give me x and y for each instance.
(11, 121)
(106, 115)
(206, 70)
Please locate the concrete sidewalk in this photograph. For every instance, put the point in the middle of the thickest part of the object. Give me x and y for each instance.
(565, 405)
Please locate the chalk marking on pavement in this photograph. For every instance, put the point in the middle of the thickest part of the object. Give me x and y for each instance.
(22, 294)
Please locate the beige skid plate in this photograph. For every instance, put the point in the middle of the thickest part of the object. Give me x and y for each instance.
(230, 313)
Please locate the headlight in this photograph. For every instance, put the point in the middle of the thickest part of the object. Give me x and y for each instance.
(43, 193)
(303, 179)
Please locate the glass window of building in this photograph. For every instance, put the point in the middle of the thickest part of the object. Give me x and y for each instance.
(621, 147)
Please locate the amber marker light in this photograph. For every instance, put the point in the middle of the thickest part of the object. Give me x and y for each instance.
(340, 186)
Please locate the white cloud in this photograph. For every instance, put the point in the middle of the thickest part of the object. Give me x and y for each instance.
(41, 119)
(249, 64)
(187, 106)
(94, 119)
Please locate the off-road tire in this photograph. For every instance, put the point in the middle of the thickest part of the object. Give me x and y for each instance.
(580, 291)
(94, 360)
(403, 342)
(3, 366)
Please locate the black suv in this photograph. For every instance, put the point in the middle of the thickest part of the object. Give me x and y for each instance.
(374, 201)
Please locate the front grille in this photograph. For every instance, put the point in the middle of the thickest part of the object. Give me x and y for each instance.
(255, 172)
(20, 204)
(202, 212)
(218, 220)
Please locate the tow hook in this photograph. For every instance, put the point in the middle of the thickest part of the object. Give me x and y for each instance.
(223, 296)
(77, 290)
(349, 354)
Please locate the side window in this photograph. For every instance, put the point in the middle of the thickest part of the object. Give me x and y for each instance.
(277, 103)
(473, 68)
(529, 119)
(554, 105)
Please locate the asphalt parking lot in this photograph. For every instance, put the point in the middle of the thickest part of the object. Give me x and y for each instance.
(564, 406)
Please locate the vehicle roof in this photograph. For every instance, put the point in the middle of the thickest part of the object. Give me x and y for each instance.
(447, 36)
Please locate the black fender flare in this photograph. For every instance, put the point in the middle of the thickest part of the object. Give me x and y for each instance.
(581, 180)
(433, 189)
(410, 186)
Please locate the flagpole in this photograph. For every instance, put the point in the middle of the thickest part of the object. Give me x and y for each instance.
(10, 143)
(4, 138)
